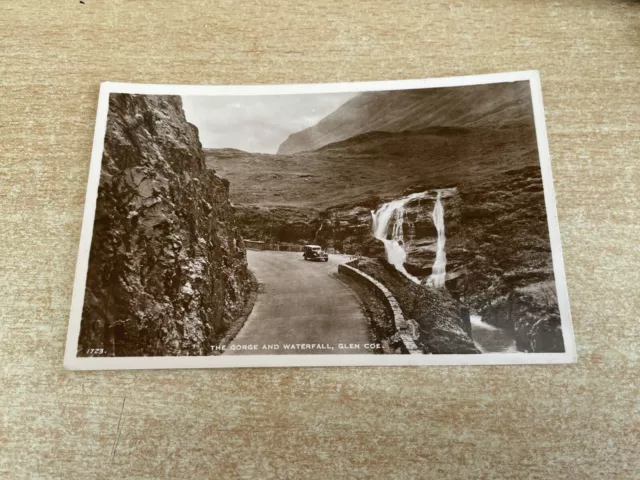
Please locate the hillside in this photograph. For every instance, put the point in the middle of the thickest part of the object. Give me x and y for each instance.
(376, 165)
(492, 105)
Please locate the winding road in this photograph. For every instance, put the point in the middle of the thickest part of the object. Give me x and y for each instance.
(301, 303)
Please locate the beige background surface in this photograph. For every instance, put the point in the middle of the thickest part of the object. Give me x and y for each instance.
(576, 421)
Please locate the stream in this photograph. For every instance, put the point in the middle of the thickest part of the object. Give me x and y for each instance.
(490, 339)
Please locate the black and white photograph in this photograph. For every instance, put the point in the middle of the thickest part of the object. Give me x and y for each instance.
(377, 223)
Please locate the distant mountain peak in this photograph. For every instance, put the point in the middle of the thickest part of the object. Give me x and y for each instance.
(491, 105)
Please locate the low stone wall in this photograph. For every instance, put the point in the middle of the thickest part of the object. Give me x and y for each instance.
(276, 247)
(255, 245)
(404, 328)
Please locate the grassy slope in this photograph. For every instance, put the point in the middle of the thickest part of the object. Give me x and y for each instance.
(377, 164)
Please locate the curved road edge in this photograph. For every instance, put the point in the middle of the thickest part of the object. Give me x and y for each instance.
(242, 318)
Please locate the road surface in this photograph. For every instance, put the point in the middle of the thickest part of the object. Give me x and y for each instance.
(301, 303)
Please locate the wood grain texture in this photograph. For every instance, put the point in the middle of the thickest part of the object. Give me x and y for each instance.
(577, 421)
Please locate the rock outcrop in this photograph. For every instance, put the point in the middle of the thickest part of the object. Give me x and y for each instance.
(505, 235)
(167, 270)
(438, 317)
(531, 313)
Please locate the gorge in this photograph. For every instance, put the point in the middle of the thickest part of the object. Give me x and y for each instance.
(448, 197)
(436, 195)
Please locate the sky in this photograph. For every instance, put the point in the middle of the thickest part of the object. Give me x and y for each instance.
(257, 123)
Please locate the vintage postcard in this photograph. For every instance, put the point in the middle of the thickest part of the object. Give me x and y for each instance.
(378, 223)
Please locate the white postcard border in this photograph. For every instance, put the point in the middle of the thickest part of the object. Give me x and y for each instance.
(72, 362)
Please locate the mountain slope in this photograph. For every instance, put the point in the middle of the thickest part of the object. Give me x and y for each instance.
(374, 165)
(491, 105)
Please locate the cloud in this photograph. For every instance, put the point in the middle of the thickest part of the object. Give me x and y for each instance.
(257, 123)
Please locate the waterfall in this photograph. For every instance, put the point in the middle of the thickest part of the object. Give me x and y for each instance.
(315, 239)
(439, 269)
(394, 247)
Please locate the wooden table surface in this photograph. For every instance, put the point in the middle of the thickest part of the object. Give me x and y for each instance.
(577, 421)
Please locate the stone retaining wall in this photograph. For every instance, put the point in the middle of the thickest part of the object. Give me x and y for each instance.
(404, 328)
(276, 247)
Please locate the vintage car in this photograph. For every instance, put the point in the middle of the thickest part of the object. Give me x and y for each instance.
(315, 252)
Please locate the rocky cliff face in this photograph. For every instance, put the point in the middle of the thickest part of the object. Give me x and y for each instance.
(490, 105)
(167, 270)
(437, 316)
(505, 233)
(531, 314)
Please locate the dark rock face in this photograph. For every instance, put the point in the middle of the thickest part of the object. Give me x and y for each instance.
(167, 269)
(277, 224)
(348, 230)
(505, 235)
(531, 313)
(442, 328)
